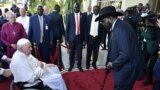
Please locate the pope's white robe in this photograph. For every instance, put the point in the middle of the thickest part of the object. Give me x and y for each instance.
(28, 69)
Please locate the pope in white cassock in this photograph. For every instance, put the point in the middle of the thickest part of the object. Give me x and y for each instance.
(26, 68)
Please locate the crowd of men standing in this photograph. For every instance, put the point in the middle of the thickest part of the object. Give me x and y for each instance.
(43, 29)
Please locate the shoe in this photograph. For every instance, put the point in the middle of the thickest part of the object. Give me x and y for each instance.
(70, 69)
(87, 67)
(94, 66)
(147, 82)
(80, 69)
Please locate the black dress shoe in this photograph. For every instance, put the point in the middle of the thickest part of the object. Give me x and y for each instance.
(70, 68)
(80, 69)
(94, 66)
(87, 67)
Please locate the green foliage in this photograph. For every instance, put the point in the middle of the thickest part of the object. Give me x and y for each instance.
(66, 5)
(34, 3)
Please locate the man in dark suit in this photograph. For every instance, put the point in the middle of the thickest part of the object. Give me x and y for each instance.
(124, 55)
(39, 34)
(89, 11)
(56, 28)
(75, 35)
(93, 37)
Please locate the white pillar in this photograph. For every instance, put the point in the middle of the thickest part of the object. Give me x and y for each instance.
(94, 2)
(85, 5)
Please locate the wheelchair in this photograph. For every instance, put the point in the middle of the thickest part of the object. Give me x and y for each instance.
(37, 85)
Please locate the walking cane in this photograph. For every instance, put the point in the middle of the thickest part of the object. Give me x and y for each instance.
(106, 74)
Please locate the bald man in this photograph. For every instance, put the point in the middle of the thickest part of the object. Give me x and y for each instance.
(23, 19)
(46, 10)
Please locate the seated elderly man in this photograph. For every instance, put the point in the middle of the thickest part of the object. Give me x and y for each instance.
(26, 68)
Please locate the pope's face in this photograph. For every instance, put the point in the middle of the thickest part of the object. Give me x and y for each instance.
(26, 49)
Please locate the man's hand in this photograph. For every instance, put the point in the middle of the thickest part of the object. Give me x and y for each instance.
(84, 44)
(66, 43)
(8, 60)
(109, 65)
(14, 46)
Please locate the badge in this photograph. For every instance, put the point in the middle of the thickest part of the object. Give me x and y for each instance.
(46, 27)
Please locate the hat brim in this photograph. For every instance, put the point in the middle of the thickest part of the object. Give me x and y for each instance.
(108, 15)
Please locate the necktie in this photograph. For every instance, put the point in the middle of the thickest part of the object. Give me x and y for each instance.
(77, 25)
(41, 27)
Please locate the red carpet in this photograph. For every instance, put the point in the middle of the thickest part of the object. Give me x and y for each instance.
(92, 80)
(87, 80)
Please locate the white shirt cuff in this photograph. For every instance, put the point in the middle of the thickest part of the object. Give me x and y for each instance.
(1, 71)
(4, 57)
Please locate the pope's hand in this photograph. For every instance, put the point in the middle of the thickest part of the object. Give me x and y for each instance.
(14, 46)
(51, 65)
(8, 60)
(109, 65)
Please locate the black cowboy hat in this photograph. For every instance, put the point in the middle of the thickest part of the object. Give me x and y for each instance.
(108, 11)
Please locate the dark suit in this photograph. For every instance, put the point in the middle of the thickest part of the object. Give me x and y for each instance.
(34, 35)
(56, 29)
(1, 54)
(2, 45)
(152, 37)
(93, 42)
(125, 55)
(75, 41)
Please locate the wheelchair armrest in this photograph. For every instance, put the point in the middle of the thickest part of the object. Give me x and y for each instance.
(25, 85)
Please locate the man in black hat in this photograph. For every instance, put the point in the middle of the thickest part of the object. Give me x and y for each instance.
(124, 55)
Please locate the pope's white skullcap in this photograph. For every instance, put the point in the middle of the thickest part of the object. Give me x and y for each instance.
(22, 42)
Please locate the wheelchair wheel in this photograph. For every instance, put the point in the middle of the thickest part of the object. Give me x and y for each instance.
(13, 86)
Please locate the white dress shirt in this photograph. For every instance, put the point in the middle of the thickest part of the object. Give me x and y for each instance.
(94, 26)
(24, 21)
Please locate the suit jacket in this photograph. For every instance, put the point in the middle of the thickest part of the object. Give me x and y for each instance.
(56, 25)
(87, 30)
(35, 31)
(1, 54)
(151, 35)
(71, 27)
(124, 53)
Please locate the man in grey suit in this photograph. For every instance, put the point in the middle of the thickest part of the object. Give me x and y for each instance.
(124, 55)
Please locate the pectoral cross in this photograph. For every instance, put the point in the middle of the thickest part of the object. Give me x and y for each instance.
(14, 33)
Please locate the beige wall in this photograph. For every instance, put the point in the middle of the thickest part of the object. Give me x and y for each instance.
(86, 4)
(125, 3)
(129, 3)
